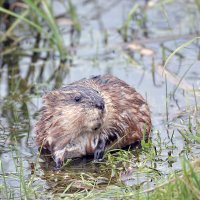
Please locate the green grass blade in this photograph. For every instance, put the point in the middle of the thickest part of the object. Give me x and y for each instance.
(4, 180)
(178, 49)
(21, 17)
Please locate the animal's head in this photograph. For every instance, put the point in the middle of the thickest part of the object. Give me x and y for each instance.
(69, 112)
(86, 104)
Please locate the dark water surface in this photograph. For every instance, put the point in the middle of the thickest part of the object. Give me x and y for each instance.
(137, 58)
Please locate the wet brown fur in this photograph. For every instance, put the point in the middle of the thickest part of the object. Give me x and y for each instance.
(70, 129)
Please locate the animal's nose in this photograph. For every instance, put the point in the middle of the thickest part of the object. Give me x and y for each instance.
(100, 105)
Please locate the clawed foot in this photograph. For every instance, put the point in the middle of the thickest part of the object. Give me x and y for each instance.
(58, 164)
(99, 152)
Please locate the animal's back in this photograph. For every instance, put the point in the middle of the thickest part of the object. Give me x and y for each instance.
(127, 115)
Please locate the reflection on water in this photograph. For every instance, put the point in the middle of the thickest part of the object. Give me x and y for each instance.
(132, 48)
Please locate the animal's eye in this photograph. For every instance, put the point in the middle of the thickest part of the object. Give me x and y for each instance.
(77, 98)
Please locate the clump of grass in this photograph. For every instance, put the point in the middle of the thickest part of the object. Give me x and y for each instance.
(39, 17)
(184, 185)
(44, 10)
(179, 185)
(23, 188)
(25, 183)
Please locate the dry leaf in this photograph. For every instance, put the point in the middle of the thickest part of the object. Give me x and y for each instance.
(134, 46)
(147, 52)
(140, 49)
(64, 21)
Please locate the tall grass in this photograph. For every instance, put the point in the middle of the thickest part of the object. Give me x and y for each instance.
(126, 25)
(184, 185)
(39, 16)
(24, 187)
(44, 10)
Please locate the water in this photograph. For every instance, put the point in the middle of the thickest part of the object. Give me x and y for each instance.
(158, 29)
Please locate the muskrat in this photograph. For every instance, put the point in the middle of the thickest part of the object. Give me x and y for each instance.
(88, 116)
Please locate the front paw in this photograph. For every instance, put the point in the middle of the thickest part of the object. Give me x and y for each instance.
(99, 152)
(58, 164)
(58, 157)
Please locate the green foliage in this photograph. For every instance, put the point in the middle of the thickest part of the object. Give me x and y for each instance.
(125, 27)
(39, 16)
